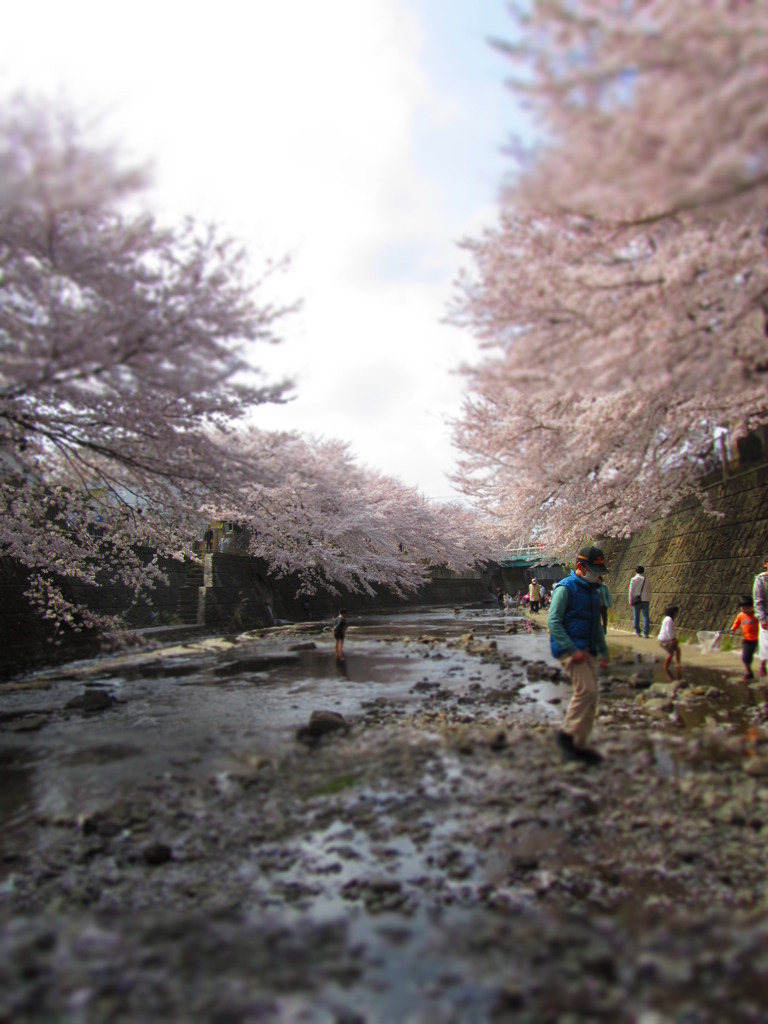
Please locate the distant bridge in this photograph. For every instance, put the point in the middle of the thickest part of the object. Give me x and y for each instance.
(527, 556)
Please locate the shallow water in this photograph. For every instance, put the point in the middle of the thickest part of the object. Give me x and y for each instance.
(207, 707)
(204, 707)
(383, 874)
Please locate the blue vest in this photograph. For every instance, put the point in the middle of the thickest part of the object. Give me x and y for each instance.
(582, 618)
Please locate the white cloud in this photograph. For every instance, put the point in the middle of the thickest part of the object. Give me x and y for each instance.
(294, 124)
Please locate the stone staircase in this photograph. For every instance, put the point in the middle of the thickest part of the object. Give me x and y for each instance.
(189, 594)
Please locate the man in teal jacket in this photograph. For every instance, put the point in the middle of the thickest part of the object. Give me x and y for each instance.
(577, 640)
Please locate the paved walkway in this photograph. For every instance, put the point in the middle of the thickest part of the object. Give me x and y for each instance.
(691, 652)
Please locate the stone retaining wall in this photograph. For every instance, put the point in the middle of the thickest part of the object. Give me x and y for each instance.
(238, 589)
(700, 562)
(29, 640)
(227, 593)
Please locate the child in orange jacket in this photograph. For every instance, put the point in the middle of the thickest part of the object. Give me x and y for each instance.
(746, 620)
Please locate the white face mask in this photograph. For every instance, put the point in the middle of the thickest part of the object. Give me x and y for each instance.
(591, 577)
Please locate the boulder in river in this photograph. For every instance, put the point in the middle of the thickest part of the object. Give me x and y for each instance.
(321, 723)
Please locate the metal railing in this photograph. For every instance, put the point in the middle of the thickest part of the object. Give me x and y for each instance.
(527, 551)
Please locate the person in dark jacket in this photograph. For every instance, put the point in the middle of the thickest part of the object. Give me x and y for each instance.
(339, 632)
(577, 640)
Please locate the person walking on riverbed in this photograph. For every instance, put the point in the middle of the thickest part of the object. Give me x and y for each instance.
(668, 640)
(339, 632)
(640, 600)
(534, 596)
(577, 640)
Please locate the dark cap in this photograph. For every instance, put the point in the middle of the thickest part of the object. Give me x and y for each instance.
(592, 558)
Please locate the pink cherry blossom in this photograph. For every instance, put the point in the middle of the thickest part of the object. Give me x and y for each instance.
(620, 300)
(128, 372)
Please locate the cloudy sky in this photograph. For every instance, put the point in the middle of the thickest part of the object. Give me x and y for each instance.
(361, 137)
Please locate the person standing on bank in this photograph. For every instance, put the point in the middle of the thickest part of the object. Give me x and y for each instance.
(577, 640)
(747, 622)
(339, 632)
(606, 602)
(534, 596)
(640, 600)
(760, 602)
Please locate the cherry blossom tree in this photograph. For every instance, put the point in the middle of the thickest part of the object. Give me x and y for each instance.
(648, 107)
(124, 367)
(620, 300)
(127, 376)
(334, 523)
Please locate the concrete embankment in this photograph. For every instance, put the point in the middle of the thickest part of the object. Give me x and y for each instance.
(224, 593)
(701, 562)
(724, 656)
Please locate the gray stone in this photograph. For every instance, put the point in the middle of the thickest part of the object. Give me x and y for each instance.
(92, 701)
(323, 722)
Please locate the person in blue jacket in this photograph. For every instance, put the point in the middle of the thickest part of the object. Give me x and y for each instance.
(578, 642)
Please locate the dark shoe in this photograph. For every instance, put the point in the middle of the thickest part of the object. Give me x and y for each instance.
(571, 752)
(564, 740)
(588, 756)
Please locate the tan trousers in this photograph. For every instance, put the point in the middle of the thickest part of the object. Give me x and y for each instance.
(583, 707)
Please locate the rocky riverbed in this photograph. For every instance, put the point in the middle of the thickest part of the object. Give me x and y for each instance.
(240, 830)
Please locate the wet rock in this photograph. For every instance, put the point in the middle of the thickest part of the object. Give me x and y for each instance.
(662, 690)
(157, 853)
(110, 822)
(733, 812)
(541, 670)
(498, 740)
(310, 645)
(658, 704)
(642, 679)
(508, 999)
(384, 885)
(27, 723)
(489, 647)
(167, 670)
(424, 686)
(259, 663)
(92, 701)
(322, 723)
(759, 692)
(757, 766)
(473, 645)
(32, 684)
